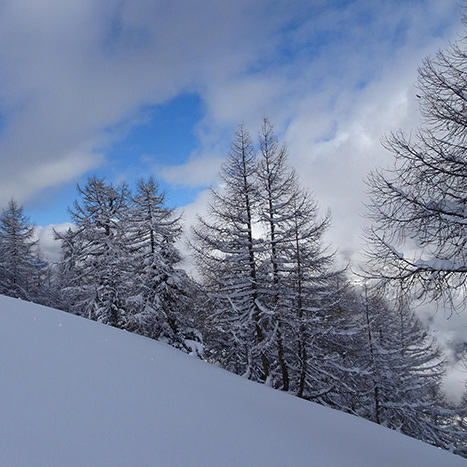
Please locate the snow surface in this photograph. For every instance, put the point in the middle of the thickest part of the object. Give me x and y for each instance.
(77, 393)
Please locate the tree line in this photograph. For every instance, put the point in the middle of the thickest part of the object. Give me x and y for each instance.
(267, 301)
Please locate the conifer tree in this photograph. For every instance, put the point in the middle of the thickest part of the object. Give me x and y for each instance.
(159, 294)
(277, 186)
(94, 253)
(403, 375)
(227, 253)
(313, 293)
(296, 269)
(20, 266)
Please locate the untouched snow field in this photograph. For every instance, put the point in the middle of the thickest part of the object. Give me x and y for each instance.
(77, 393)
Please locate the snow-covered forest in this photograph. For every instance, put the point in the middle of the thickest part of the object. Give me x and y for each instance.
(267, 300)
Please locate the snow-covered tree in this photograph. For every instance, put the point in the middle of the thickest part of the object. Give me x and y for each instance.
(313, 292)
(20, 264)
(119, 263)
(277, 185)
(226, 253)
(158, 297)
(419, 207)
(270, 280)
(296, 271)
(401, 371)
(95, 264)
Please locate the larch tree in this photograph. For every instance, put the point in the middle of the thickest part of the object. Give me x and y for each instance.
(226, 253)
(158, 296)
(400, 381)
(95, 253)
(277, 185)
(296, 270)
(20, 264)
(268, 276)
(313, 293)
(419, 207)
(68, 271)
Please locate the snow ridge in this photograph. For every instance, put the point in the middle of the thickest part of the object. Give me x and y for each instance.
(76, 392)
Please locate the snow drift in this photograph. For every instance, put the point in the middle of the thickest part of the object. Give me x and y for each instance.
(78, 393)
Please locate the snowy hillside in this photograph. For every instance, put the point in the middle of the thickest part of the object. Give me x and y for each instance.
(77, 393)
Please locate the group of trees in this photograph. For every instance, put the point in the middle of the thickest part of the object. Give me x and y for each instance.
(268, 302)
(279, 312)
(399, 371)
(417, 245)
(263, 267)
(118, 264)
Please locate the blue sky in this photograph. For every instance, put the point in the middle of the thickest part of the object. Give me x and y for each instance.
(163, 135)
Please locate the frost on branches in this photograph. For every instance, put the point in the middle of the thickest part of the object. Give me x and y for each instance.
(119, 263)
(22, 269)
(267, 277)
(419, 207)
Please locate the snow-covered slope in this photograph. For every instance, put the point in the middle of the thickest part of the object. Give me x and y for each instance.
(77, 393)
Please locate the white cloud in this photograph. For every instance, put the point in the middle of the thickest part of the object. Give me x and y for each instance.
(331, 106)
(454, 384)
(198, 171)
(190, 214)
(228, 100)
(334, 167)
(49, 246)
